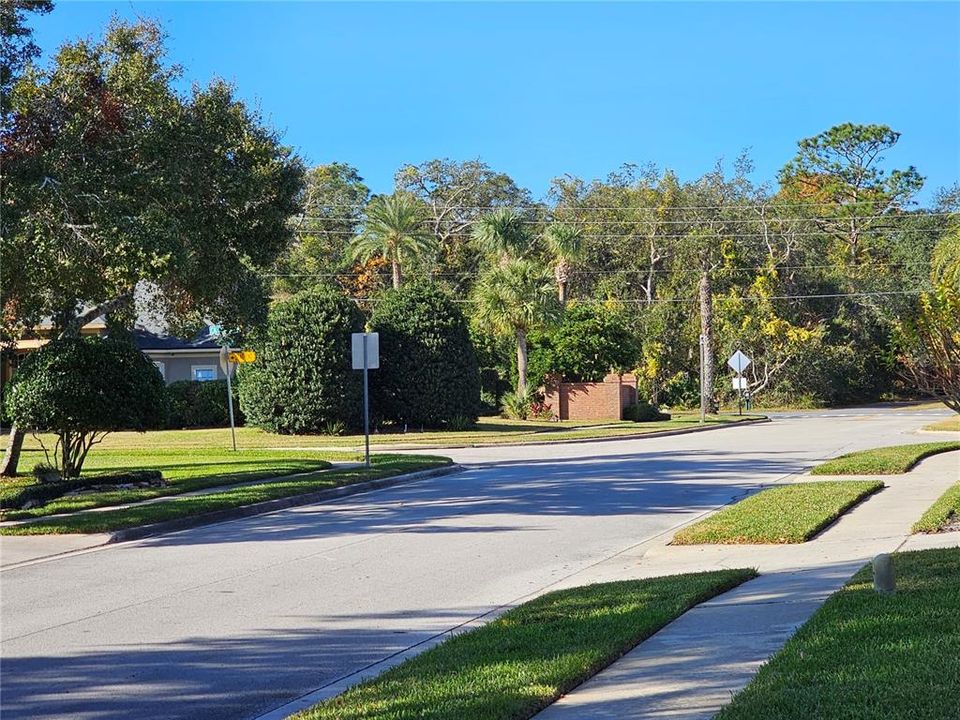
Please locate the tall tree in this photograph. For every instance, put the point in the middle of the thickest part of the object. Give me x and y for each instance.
(110, 177)
(334, 199)
(565, 244)
(17, 48)
(501, 235)
(839, 174)
(513, 299)
(457, 193)
(394, 228)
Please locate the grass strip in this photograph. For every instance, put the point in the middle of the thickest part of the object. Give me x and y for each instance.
(865, 656)
(489, 431)
(185, 470)
(518, 664)
(951, 424)
(945, 511)
(180, 507)
(785, 514)
(892, 460)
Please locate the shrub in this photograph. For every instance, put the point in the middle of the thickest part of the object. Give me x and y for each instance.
(517, 406)
(644, 412)
(82, 388)
(201, 404)
(589, 342)
(303, 377)
(428, 368)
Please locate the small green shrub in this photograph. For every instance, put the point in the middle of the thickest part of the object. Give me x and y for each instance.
(334, 427)
(195, 404)
(517, 406)
(644, 412)
(459, 423)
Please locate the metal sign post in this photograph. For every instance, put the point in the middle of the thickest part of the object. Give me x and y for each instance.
(366, 356)
(227, 365)
(739, 362)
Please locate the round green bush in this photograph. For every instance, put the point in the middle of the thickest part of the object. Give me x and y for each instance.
(429, 375)
(79, 387)
(302, 380)
(590, 341)
(195, 404)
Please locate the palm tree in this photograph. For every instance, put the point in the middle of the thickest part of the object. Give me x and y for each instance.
(394, 228)
(501, 234)
(514, 298)
(565, 243)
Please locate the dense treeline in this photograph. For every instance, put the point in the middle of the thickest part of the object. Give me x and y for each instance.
(810, 276)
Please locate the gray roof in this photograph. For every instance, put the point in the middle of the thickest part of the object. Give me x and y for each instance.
(147, 340)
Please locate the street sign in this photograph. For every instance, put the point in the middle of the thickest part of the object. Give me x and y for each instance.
(366, 356)
(242, 356)
(227, 364)
(740, 383)
(739, 362)
(372, 351)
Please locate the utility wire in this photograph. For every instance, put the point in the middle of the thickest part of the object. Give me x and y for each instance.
(655, 301)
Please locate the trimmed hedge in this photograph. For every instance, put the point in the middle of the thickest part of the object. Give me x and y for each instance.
(195, 404)
(303, 381)
(429, 375)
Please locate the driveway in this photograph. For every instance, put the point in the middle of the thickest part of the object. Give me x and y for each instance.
(236, 619)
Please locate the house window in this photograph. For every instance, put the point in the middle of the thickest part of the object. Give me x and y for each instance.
(161, 367)
(204, 372)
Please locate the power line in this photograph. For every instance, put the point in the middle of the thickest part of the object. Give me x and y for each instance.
(639, 234)
(655, 301)
(680, 271)
(651, 221)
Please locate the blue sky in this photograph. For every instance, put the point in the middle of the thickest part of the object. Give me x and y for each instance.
(540, 90)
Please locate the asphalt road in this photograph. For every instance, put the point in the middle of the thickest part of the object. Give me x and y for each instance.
(233, 620)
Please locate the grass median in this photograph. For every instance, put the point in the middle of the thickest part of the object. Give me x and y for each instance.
(183, 470)
(785, 514)
(944, 513)
(518, 664)
(180, 507)
(488, 431)
(951, 424)
(893, 460)
(865, 656)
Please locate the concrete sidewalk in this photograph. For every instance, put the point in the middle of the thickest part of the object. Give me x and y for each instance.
(690, 669)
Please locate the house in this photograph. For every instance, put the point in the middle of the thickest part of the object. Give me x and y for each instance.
(195, 359)
(177, 359)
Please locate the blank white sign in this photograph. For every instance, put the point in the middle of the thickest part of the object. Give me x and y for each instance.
(373, 350)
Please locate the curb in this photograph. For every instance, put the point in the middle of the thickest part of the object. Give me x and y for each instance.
(268, 506)
(625, 436)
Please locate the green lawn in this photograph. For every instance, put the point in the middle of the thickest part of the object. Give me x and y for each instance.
(951, 424)
(785, 514)
(865, 656)
(892, 460)
(489, 431)
(520, 663)
(943, 512)
(180, 507)
(185, 470)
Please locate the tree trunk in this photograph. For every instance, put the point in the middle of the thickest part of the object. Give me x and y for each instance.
(521, 362)
(562, 293)
(11, 458)
(396, 274)
(707, 402)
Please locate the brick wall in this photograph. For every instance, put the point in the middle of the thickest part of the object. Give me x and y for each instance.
(593, 401)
